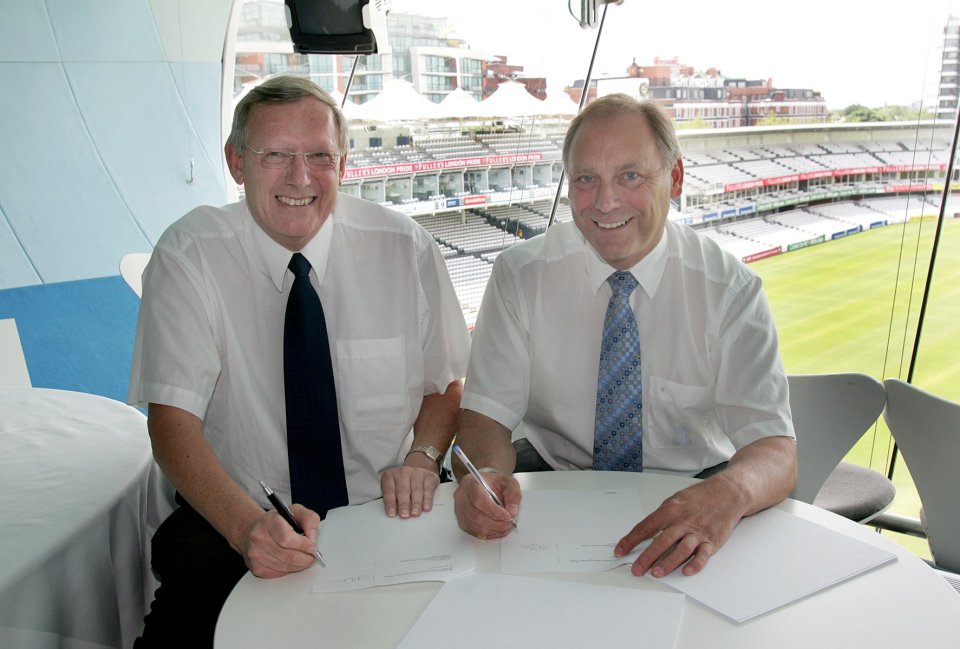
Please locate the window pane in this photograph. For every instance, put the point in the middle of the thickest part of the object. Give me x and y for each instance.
(819, 156)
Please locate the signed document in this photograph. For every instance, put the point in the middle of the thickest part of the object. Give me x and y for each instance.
(363, 547)
(571, 531)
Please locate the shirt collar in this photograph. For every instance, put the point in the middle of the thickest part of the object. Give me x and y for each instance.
(276, 258)
(648, 271)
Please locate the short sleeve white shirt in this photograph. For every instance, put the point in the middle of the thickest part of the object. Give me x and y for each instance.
(713, 379)
(210, 335)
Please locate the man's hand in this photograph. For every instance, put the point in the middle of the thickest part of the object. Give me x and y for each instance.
(408, 489)
(694, 523)
(476, 512)
(690, 525)
(273, 549)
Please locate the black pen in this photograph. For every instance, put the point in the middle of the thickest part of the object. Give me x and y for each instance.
(287, 515)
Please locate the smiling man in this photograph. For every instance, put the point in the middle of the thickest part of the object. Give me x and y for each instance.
(230, 388)
(625, 341)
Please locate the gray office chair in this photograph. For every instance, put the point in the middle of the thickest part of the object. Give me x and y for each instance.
(131, 269)
(13, 364)
(926, 429)
(830, 413)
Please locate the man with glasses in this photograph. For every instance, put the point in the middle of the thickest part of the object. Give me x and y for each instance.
(625, 341)
(213, 356)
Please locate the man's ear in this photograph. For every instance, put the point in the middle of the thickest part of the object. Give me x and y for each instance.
(234, 162)
(676, 179)
(343, 166)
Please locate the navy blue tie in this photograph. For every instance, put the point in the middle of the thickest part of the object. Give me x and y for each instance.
(313, 426)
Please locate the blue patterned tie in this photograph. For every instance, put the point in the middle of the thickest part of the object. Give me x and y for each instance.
(313, 427)
(618, 433)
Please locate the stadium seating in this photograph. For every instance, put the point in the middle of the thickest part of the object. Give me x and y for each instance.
(811, 223)
(900, 208)
(753, 223)
(768, 233)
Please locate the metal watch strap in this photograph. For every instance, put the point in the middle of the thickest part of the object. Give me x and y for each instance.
(430, 452)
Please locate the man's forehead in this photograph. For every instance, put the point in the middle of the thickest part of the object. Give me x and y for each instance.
(276, 118)
(599, 143)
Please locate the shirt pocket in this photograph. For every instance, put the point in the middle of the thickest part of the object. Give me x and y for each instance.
(678, 415)
(372, 379)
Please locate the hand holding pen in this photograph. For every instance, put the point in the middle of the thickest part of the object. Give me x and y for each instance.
(287, 515)
(483, 483)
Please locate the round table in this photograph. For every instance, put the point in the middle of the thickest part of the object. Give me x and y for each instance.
(902, 603)
(80, 496)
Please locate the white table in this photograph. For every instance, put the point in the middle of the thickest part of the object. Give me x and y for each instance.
(901, 604)
(80, 497)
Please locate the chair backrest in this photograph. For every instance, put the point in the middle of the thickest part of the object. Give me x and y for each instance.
(830, 413)
(926, 429)
(131, 269)
(13, 365)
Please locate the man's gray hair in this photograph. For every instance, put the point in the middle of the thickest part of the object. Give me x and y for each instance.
(617, 104)
(278, 90)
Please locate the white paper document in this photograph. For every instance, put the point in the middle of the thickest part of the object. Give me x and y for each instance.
(571, 531)
(363, 547)
(774, 558)
(483, 610)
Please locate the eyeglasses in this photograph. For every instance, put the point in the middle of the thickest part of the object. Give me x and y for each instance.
(275, 159)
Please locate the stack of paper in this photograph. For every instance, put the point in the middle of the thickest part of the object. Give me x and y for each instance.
(482, 610)
(363, 547)
(772, 559)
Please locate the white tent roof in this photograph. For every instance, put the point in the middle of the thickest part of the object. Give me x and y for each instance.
(511, 99)
(459, 104)
(355, 112)
(559, 103)
(397, 102)
(351, 110)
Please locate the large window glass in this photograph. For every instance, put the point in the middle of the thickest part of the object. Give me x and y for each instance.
(818, 156)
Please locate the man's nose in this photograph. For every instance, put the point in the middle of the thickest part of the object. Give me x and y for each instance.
(606, 198)
(298, 173)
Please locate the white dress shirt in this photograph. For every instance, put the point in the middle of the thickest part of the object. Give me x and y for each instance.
(713, 380)
(210, 335)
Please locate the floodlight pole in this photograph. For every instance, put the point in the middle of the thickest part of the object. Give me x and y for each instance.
(933, 258)
(583, 101)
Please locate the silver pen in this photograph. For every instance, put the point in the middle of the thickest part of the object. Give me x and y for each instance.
(287, 515)
(476, 474)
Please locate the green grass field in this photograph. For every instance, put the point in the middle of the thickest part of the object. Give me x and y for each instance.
(852, 305)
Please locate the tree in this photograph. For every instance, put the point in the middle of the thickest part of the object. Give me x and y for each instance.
(696, 122)
(860, 113)
(772, 119)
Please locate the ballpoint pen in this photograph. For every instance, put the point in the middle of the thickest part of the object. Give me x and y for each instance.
(287, 515)
(476, 474)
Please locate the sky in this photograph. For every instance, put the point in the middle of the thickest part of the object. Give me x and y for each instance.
(874, 54)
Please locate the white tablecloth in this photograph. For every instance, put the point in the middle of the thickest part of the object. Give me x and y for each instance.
(80, 497)
(901, 604)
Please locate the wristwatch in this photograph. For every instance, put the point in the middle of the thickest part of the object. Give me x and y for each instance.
(431, 453)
